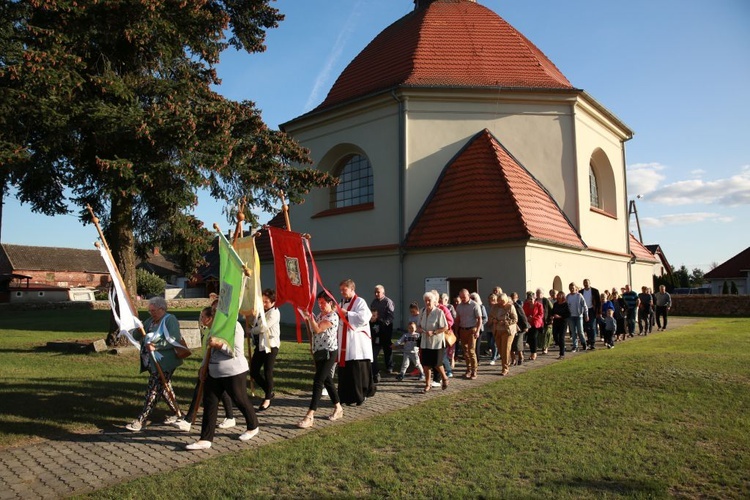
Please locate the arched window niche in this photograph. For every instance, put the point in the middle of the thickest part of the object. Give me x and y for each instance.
(602, 191)
(355, 189)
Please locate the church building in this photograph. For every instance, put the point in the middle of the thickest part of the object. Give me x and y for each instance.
(465, 159)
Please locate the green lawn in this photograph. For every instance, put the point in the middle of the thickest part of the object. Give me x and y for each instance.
(664, 416)
(46, 394)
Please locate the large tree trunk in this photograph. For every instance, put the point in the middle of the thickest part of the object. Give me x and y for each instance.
(122, 245)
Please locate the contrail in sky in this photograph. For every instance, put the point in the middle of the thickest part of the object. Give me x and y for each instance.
(323, 78)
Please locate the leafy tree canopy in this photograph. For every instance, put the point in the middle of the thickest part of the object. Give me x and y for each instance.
(110, 103)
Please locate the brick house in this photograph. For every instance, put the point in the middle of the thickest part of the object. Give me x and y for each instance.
(49, 269)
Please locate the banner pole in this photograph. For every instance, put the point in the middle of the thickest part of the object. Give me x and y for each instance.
(129, 301)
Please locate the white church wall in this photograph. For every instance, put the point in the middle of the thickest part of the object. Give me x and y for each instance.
(544, 264)
(375, 134)
(538, 134)
(642, 275)
(604, 229)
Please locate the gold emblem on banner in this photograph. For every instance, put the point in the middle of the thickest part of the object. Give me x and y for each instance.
(292, 270)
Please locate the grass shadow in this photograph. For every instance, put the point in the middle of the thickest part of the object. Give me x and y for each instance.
(610, 487)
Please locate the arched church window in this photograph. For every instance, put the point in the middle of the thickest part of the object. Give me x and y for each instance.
(603, 193)
(594, 189)
(355, 185)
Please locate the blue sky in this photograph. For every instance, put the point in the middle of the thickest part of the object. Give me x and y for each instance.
(675, 71)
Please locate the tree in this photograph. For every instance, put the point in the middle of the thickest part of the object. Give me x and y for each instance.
(733, 288)
(725, 289)
(149, 284)
(696, 277)
(681, 276)
(111, 104)
(666, 280)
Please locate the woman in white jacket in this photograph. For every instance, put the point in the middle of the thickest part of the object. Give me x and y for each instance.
(269, 340)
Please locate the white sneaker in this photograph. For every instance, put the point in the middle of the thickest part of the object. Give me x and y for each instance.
(228, 423)
(247, 435)
(435, 384)
(183, 425)
(172, 419)
(134, 426)
(492, 363)
(199, 445)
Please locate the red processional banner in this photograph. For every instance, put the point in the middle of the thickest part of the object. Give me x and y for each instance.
(291, 269)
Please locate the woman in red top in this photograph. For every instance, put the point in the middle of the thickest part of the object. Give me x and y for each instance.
(535, 314)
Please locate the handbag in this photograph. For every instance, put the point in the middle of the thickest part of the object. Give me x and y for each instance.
(450, 338)
(184, 351)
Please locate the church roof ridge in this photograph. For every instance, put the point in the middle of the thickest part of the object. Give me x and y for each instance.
(446, 44)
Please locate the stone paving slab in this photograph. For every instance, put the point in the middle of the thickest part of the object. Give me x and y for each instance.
(78, 464)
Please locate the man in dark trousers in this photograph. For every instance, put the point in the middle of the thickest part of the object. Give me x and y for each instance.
(594, 304)
(385, 309)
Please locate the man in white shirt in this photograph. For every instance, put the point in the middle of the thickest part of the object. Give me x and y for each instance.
(355, 376)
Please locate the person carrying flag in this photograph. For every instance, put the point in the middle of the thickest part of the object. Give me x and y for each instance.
(162, 334)
(269, 341)
(227, 373)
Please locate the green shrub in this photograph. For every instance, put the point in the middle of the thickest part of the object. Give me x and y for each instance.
(148, 284)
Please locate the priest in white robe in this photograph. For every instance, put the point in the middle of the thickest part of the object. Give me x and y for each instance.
(355, 376)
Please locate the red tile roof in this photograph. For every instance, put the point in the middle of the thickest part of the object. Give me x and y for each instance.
(449, 43)
(640, 252)
(736, 267)
(485, 196)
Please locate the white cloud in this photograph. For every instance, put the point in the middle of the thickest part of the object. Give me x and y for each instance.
(682, 219)
(644, 178)
(647, 179)
(322, 81)
(732, 191)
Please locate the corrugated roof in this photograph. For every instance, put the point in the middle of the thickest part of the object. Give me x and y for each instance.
(449, 43)
(640, 252)
(31, 258)
(736, 267)
(484, 195)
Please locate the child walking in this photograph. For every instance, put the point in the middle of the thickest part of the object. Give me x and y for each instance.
(410, 341)
(610, 327)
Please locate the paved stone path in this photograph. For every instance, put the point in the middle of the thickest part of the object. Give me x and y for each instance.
(84, 463)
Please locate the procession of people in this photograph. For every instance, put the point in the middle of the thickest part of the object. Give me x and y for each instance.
(347, 337)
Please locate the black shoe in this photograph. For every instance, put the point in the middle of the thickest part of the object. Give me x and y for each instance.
(264, 408)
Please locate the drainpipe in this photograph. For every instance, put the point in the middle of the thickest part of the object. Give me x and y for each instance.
(401, 197)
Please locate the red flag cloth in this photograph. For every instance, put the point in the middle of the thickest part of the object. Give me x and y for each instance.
(291, 271)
